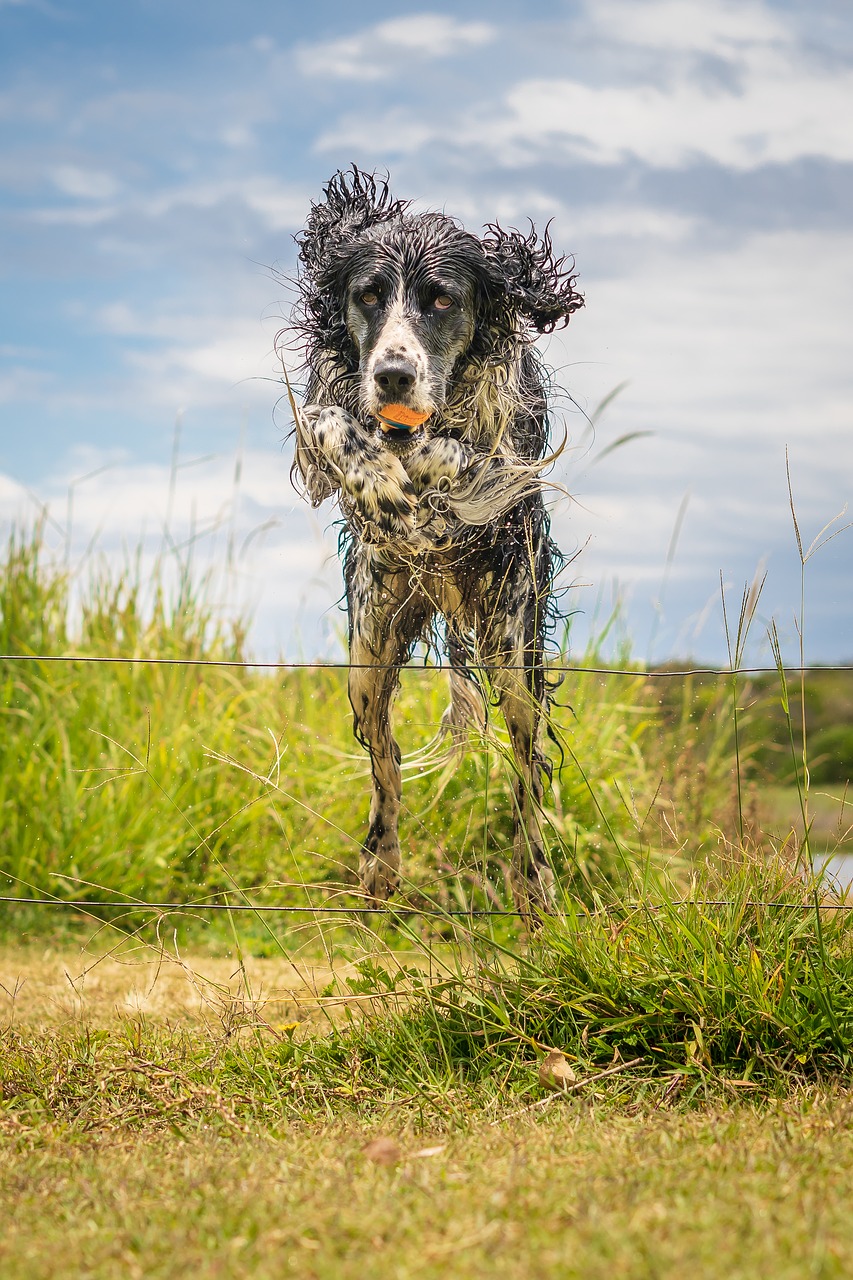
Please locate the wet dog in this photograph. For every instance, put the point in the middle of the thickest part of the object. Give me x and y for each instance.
(426, 415)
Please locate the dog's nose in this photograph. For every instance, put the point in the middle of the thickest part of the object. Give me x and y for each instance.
(395, 377)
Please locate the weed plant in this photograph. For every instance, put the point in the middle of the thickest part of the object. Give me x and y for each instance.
(741, 978)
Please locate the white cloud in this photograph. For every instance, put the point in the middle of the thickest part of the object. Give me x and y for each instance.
(230, 358)
(379, 51)
(238, 136)
(267, 556)
(21, 384)
(177, 366)
(434, 34)
(75, 216)
(279, 207)
(724, 27)
(767, 102)
(783, 113)
(755, 333)
(731, 355)
(13, 498)
(84, 184)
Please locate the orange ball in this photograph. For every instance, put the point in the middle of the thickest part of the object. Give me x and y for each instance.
(397, 416)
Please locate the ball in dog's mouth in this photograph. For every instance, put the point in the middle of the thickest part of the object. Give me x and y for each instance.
(397, 417)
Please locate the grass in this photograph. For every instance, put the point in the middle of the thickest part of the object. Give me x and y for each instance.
(165, 1112)
(585, 1192)
(693, 999)
(214, 779)
(233, 1146)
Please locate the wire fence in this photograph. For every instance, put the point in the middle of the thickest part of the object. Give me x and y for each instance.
(659, 673)
(90, 906)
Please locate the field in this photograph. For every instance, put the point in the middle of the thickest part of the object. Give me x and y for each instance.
(657, 1080)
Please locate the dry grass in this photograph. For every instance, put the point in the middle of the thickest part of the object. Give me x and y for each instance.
(49, 989)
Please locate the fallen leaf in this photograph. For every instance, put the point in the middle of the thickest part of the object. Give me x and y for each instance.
(555, 1071)
(383, 1151)
(428, 1151)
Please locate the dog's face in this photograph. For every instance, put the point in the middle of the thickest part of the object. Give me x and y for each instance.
(396, 306)
(410, 314)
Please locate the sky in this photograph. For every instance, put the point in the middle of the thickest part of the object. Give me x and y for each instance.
(695, 156)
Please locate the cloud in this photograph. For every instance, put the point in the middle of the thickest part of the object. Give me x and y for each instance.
(22, 383)
(684, 81)
(782, 114)
(233, 357)
(722, 336)
(379, 51)
(263, 555)
(75, 217)
(732, 355)
(279, 207)
(84, 184)
(726, 27)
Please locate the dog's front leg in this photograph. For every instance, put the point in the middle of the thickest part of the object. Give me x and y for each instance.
(371, 691)
(335, 452)
(434, 459)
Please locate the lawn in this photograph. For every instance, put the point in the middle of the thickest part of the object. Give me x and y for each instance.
(153, 1125)
(584, 1190)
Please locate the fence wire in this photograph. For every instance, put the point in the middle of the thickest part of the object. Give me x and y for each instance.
(319, 665)
(87, 905)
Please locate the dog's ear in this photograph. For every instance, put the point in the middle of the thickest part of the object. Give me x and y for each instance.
(534, 282)
(353, 201)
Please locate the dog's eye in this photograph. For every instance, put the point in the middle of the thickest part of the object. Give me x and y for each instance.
(443, 301)
(369, 298)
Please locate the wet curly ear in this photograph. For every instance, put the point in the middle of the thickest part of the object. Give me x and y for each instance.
(534, 282)
(353, 201)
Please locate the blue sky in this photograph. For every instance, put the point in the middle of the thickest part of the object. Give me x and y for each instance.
(695, 156)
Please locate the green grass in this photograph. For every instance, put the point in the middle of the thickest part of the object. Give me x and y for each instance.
(585, 1191)
(707, 1129)
(169, 782)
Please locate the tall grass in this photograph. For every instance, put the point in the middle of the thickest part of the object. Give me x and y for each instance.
(149, 779)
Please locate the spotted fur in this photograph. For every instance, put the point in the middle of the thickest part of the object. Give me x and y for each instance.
(447, 521)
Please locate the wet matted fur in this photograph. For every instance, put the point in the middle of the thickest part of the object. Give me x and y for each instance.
(445, 521)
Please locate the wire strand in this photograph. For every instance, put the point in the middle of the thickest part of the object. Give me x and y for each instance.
(564, 668)
(248, 906)
(438, 914)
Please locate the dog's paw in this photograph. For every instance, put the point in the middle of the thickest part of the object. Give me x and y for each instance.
(434, 462)
(379, 867)
(533, 885)
(382, 493)
(338, 452)
(333, 430)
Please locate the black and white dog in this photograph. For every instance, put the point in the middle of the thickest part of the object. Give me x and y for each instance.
(425, 413)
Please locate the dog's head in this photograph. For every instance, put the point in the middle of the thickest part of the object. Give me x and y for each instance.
(396, 305)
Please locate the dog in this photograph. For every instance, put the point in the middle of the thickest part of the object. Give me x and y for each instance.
(425, 414)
